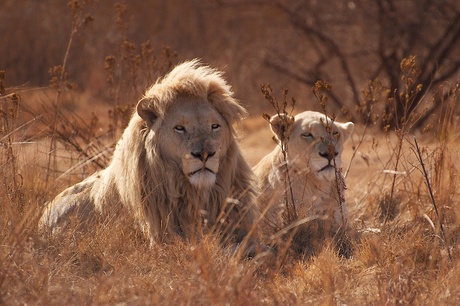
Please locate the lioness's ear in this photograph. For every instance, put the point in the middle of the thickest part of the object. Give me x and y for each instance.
(281, 125)
(347, 129)
(145, 109)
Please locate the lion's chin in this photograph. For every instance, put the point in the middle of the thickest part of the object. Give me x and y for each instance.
(326, 173)
(202, 179)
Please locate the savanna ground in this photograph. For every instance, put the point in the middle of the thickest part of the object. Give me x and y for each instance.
(404, 215)
(401, 253)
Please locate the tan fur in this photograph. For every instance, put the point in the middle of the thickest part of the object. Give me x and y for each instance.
(152, 166)
(316, 193)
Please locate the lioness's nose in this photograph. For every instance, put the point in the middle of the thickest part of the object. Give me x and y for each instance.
(203, 156)
(328, 155)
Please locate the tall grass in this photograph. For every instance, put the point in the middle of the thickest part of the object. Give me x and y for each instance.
(398, 260)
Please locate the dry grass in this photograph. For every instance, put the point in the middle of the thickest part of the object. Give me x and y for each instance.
(400, 256)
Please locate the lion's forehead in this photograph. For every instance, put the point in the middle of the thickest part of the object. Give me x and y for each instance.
(196, 120)
(317, 126)
(194, 113)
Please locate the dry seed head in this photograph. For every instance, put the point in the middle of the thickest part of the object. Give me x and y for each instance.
(109, 62)
(284, 105)
(321, 91)
(109, 66)
(55, 74)
(79, 12)
(346, 112)
(409, 69)
(120, 8)
(428, 128)
(267, 91)
(58, 79)
(146, 48)
(266, 117)
(74, 6)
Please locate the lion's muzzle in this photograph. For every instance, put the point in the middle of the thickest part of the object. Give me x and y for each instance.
(204, 155)
(201, 168)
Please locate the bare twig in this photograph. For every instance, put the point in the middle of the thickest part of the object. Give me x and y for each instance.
(427, 181)
(322, 91)
(79, 18)
(287, 122)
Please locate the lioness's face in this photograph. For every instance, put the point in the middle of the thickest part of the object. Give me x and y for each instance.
(195, 137)
(316, 144)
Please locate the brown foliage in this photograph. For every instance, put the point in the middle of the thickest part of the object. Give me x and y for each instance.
(399, 257)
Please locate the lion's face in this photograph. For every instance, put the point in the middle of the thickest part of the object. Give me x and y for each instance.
(315, 144)
(195, 137)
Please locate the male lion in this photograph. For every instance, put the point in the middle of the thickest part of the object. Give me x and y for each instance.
(303, 187)
(177, 165)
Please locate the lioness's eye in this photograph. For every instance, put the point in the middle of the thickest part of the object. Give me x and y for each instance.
(307, 135)
(215, 126)
(179, 129)
(336, 134)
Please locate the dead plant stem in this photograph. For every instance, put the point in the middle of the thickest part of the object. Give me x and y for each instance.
(52, 149)
(288, 186)
(398, 157)
(427, 181)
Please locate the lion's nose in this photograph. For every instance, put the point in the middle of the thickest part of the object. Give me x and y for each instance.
(328, 155)
(203, 156)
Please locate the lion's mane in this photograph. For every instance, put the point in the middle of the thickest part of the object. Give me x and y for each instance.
(153, 189)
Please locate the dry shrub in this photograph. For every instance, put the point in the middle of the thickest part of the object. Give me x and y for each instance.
(399, 258)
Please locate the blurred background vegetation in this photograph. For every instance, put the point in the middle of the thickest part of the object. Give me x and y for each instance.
(100, 44)
(71, 70)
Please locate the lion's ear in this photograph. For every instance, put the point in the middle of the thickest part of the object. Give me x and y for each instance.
(281, 125)
(145, 109)
(347, 129)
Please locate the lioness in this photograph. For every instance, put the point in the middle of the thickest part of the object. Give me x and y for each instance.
(301, 181)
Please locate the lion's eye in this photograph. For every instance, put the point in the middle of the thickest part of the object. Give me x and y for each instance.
(179, 129)
(215, 127)
(307, 135)
(336, 134)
